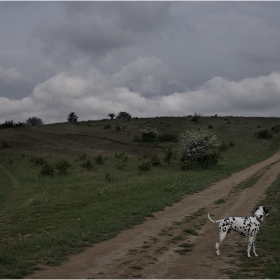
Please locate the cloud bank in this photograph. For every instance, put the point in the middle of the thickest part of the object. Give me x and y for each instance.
(138, 88)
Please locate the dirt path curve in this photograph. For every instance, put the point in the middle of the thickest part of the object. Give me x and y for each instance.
(157, 248)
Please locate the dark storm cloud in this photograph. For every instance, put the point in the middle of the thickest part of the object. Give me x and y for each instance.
(148, 58)
(99, 27)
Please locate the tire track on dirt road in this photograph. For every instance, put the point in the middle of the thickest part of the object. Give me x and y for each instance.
(125, 255)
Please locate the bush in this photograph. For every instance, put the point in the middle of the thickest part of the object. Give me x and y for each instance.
(62, 167)
(122, 156)
(145, 167)
(275, 129)
(107, 126)
(196, 117)
(198, 147)
(149, 135)
(264, 134)
(155, 160)
(99, 160)
(47, 170)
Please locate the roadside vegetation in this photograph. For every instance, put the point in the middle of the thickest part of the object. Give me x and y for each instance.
(67, 186)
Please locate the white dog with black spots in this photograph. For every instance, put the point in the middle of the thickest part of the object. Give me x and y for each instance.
(247, 226)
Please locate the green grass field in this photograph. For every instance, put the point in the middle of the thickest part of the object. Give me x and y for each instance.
(45, 218)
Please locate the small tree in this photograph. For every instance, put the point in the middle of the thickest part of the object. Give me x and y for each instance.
(111, 115)
(197, 148)
(72, 117)
(33, 121)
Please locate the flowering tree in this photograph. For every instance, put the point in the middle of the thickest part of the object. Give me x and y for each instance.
(198, 146)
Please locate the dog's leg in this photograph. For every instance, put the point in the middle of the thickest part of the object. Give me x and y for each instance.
(254, 246)
(250, 244)
(221, 238)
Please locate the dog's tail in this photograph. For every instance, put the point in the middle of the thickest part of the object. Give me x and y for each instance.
(212, 220)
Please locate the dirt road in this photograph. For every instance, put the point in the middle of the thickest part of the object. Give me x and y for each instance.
(158, 248)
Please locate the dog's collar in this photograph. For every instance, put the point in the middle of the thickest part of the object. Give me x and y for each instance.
(258, 219)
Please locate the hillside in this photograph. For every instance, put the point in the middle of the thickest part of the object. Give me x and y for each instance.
(46, 218)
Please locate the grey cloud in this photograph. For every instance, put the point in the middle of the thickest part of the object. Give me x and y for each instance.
(101, 27)
(155, 58)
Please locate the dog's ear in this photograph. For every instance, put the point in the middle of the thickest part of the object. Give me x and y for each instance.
(265, 210)
(258, 207)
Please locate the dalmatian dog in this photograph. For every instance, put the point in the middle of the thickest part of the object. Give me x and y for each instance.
(247, 226)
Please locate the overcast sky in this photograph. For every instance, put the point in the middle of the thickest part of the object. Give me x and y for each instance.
(146, 58)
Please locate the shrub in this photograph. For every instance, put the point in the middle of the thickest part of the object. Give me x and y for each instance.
(122, 156)
(275, 129)
(87, 164)
(264, 134)
(47, 170)
(231, 144)
(196, 117)
(198, 147)
(149, 135)
(107, 126)
(62, 167)
(145, 167)
(99, 160)
(155, 160)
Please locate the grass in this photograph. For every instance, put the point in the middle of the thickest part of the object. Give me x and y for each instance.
(44, 219)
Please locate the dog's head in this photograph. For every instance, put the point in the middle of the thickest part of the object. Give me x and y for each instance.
(261, 211)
